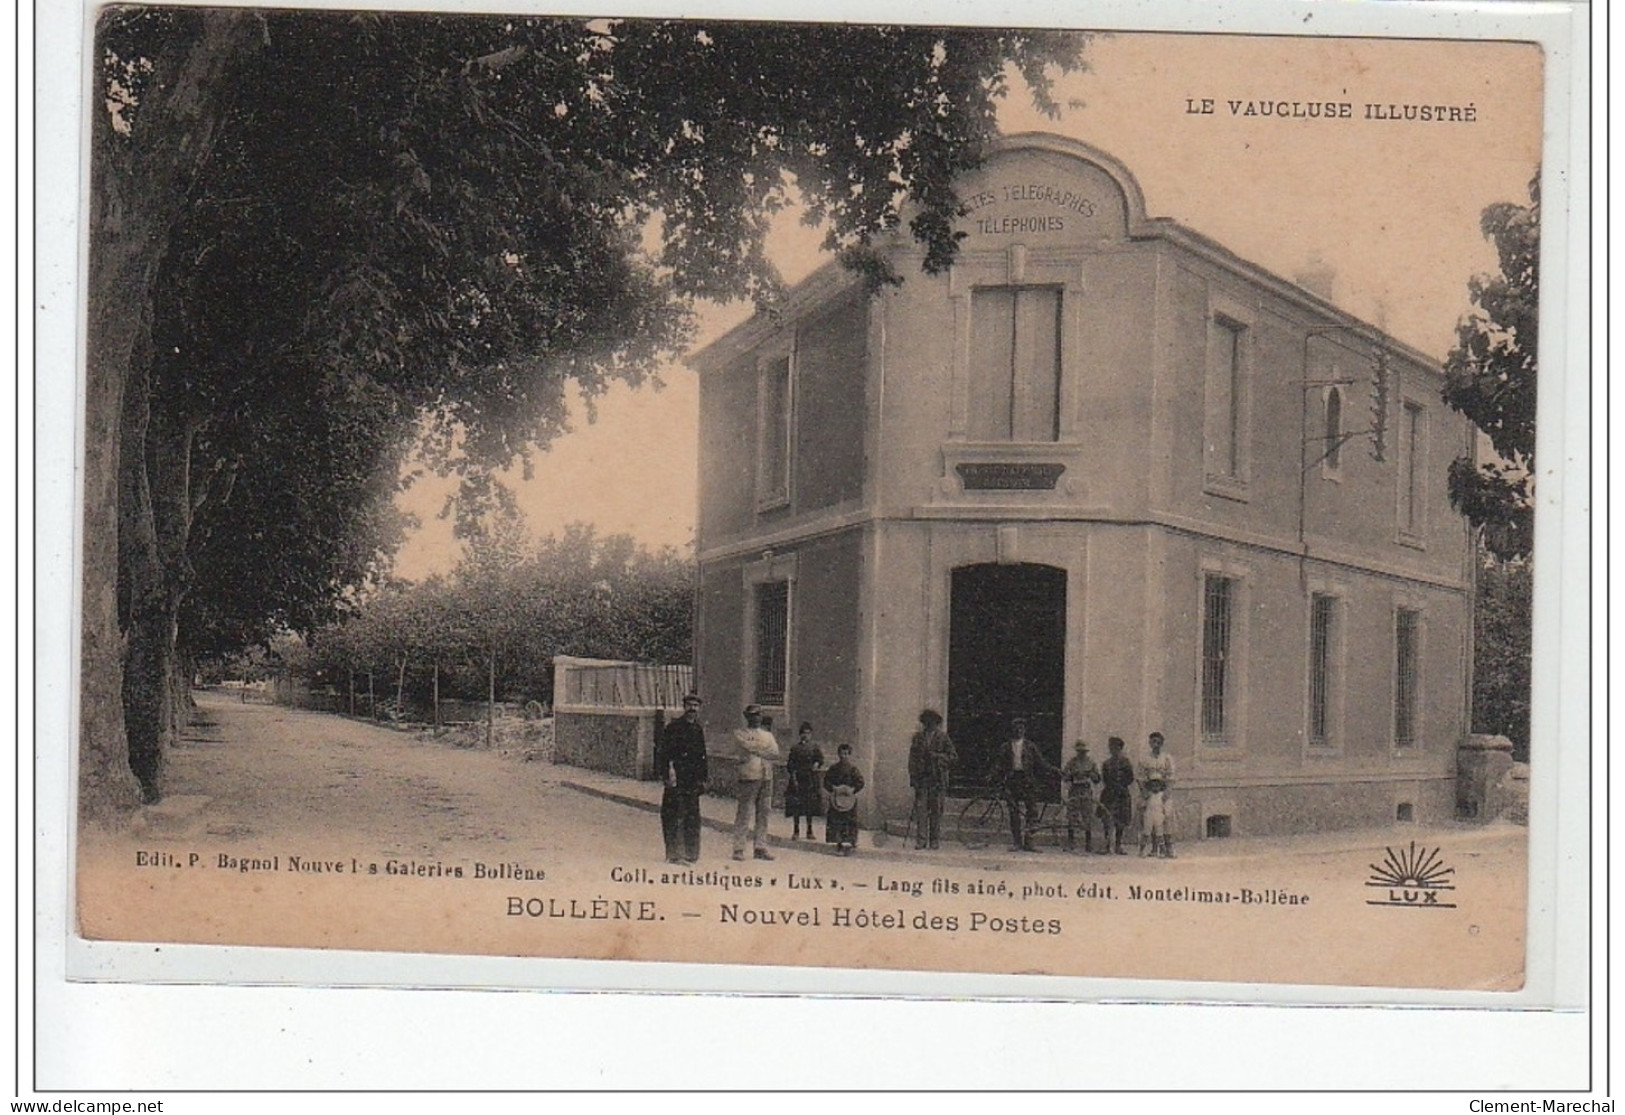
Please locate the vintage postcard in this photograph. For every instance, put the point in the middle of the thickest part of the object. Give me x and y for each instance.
(948, 500)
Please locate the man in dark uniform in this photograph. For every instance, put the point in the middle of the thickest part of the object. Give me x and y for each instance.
(1021, 764)
(1116, 776)
(681, 764)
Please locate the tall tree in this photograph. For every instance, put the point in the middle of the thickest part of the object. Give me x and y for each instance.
(1490, 377)
(142, 172)
(1502, 681)
(313, 231)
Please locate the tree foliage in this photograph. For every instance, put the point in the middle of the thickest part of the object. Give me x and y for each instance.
(1490, 377)
(510, 606)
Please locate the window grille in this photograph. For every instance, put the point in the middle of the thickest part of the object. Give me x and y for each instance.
(1217, 599)
(1407, 638)
(772, 642)
(1322, 613)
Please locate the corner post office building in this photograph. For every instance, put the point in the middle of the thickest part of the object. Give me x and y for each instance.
(1106, 475)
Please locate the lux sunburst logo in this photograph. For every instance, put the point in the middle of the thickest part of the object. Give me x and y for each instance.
(1412, 877)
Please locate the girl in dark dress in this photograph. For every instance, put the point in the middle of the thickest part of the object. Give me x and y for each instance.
(843, 783)
(802, 796)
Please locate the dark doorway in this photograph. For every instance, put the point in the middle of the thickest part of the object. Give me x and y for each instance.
(1006, 658)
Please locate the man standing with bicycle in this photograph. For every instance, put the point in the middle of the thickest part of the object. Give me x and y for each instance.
(1021, 764)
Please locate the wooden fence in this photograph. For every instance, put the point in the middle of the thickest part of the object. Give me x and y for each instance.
(591, 682)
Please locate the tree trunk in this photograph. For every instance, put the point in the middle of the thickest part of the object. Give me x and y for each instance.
(400, 690)
(491, 700)
(151, 587)
(147, 696)
(138, 187)
(186, 673)
(352, 690)
(372, 699)
(155, 531)
(437, 696)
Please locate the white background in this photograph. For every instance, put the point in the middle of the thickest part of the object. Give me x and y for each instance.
(82, 1036)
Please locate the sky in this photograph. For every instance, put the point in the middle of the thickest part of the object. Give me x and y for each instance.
(1392, 207)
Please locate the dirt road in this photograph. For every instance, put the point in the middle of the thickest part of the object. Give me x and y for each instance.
(317, 831)
(275, 775)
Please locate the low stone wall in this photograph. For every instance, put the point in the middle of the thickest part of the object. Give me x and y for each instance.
(1289, 810)
(1292, 810)
(620, 743)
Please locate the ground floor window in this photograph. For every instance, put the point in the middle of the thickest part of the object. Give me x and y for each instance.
(772, 642)
(1218, 598)
(1322, 617)
(1407, 664)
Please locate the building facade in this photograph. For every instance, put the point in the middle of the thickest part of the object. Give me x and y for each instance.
(1105, 475)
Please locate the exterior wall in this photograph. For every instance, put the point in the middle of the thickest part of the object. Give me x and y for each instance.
(882, 512)
(824, 673)
(1133, 667)
(1270, 753)
(728, 446)
(829, 369)
(1350, 513)
(1109, 343)
(1106, 577)
(1288, 808)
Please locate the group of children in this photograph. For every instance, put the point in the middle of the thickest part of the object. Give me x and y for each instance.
(812, 790)
(1115, 777)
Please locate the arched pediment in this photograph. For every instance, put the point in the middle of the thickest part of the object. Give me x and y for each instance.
(1046, 190)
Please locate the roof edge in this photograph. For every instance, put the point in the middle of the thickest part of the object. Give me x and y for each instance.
(830, 279)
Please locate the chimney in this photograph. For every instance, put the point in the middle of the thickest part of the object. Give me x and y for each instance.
(1317, 277)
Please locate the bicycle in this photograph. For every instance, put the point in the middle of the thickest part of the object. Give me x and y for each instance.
(985, 818)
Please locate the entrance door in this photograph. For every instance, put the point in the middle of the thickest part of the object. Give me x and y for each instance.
(1006, 658)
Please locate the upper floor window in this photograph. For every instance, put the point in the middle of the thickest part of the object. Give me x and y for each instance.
(773, 404)
(1332, 454)
(1015, 364)
(1225, 423)
(1412, 468)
